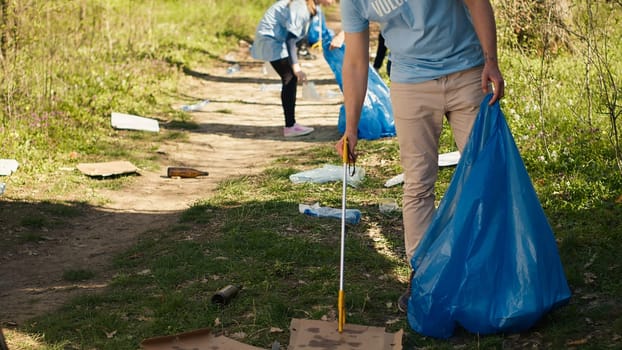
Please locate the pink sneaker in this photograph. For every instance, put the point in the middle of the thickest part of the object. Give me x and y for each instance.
(297, 130)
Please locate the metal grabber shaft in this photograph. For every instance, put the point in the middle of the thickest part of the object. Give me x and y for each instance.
(341, 302)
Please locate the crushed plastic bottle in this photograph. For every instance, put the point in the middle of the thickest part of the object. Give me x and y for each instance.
(233, 69)
(194, 107)
(2, 188)
(353, 216)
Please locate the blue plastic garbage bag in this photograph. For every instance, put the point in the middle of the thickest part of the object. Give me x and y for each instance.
(377, 114)
(489, 261)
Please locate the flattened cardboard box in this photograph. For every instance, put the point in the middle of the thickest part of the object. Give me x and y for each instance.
(200, 339)
(305, 334)
(315, 334)
(107, 168)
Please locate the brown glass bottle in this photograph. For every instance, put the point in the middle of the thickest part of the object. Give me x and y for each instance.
(185, 172)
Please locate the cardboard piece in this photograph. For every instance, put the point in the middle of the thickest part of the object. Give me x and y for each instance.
(133, 122)
(315, 334)
(200, 339)
(107, 168)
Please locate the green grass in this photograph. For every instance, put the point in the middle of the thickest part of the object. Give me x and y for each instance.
(251, 234)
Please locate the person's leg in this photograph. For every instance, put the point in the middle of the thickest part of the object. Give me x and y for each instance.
(288, 90)
(418, 111)
(288, 99)
(464, 96)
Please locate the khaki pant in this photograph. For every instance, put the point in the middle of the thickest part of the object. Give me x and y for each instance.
(418, 113)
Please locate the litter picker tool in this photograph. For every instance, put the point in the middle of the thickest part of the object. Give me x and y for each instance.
(341, 301)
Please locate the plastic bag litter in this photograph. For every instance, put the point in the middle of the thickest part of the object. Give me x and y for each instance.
(377, 113)
(489, 260)
(328, 173)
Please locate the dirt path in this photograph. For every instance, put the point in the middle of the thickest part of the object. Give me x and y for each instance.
(240, 132)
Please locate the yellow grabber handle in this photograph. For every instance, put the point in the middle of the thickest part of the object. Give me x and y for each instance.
(346, 150)
(341, 305)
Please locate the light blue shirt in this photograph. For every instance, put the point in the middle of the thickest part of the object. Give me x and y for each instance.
(282, 17)
(427, 38)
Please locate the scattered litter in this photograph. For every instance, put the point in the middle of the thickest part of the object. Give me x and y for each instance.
(8, 166)
(388, 205)
(444, 159)
(309, 91)
(2, 188)
(328, 173)
(353, 216)
(107, 168)
(267, 69)
(133, 122)
(395, 180)
(270, 87)
(224, 295)
(185, 172)
(230, 57)
(194, 107)
(448, 159)
(234, 68)
(332, 94)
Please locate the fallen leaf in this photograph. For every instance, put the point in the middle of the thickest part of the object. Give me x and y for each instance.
(238, 335)
(577, 342)
(111, 334)
(392, 321)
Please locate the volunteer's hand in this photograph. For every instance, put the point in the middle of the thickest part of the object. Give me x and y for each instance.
(352, 141)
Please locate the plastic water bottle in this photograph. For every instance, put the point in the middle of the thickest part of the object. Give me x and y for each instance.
(2, 188)
(353, 216)
(194, 107)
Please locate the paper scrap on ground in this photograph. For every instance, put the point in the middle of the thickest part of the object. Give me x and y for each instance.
(107, 168)
(316, 334)
(133, 122)
(8, 166)
(444, 159)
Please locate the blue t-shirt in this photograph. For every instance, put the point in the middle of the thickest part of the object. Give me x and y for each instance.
(427, 38)
(281, 18)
